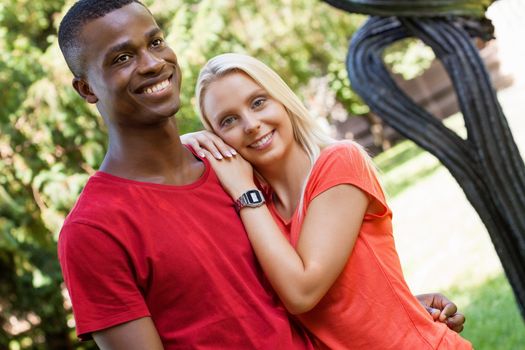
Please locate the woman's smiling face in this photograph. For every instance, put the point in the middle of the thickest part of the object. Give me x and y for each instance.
(246, 117)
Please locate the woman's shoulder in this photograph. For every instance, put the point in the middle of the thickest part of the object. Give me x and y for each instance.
(343, 149)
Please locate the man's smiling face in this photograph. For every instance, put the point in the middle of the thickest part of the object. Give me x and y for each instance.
(131, 74)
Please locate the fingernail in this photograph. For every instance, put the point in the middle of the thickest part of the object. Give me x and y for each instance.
(218, 155)
(234, 152)
(228, 154)
(202, 155)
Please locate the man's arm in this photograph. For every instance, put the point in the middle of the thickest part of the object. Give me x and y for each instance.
(108, 299)
(134, 335)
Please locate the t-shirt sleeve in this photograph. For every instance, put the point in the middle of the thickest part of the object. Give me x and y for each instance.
(346, 163)
(99, 278)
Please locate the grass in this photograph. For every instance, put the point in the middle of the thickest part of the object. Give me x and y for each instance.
(493, 319)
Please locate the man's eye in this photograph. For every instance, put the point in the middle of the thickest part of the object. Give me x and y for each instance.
(122, 59)
(157, 42)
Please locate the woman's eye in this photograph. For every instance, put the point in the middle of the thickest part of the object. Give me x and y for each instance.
(227, 121)
(258, 102)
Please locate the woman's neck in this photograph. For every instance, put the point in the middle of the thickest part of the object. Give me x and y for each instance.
(286, 177)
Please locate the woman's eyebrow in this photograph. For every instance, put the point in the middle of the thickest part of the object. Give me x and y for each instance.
(257, 92)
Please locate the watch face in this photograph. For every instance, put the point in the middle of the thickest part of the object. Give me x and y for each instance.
(251, 199)
(254, 197)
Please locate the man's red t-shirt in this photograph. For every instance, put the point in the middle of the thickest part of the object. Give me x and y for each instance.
(178, 254)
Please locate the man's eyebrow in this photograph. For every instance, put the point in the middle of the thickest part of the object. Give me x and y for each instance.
(118, 47)
(129, 44)
(154, 32)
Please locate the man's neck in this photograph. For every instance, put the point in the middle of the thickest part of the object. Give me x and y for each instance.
(151, 154)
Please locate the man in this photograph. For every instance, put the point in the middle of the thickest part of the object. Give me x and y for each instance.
(153, 253)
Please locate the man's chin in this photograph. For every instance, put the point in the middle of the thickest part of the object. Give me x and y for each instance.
(168, 111)
(174, 110)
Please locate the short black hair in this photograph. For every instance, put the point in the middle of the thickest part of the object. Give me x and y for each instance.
(82, 12)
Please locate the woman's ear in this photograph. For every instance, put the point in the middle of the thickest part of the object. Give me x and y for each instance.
(84, 90)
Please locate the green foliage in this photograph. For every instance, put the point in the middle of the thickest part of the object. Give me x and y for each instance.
(31, 20)
(51, 140)
(409, 58)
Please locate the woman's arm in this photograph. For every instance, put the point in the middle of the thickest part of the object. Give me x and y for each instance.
(300, 277)
(273, 249)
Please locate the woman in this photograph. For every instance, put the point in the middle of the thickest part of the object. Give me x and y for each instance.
(324, 235)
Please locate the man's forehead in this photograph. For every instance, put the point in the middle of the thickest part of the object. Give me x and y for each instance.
(124, 24)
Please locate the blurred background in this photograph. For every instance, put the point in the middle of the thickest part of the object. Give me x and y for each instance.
(51, 141)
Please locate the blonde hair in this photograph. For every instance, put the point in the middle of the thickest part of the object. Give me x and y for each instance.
(305, 129)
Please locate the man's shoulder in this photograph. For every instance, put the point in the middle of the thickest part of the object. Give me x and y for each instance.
(100, 198)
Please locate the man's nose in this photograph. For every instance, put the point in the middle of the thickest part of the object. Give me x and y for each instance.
(150, 63)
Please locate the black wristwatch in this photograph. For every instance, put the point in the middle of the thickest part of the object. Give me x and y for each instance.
(251, 199)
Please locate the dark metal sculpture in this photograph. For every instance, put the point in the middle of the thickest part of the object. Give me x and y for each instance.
(487, 164)
(414, 8)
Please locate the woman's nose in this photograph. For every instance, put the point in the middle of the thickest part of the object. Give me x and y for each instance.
(251, 124)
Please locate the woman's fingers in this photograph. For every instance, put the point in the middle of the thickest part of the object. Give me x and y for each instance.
(206, 154)
(196, 146)
(221, 148)
(210, 146)
(205, 140)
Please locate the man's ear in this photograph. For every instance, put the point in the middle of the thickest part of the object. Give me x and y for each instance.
(84, 90)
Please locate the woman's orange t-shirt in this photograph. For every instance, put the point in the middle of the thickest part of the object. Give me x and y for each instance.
(370, 305)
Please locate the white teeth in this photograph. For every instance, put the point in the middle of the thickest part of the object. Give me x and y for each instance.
(262, 141)
(158, 87)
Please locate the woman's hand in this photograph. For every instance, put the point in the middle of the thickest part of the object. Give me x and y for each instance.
(205, 140)
(234, 173)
